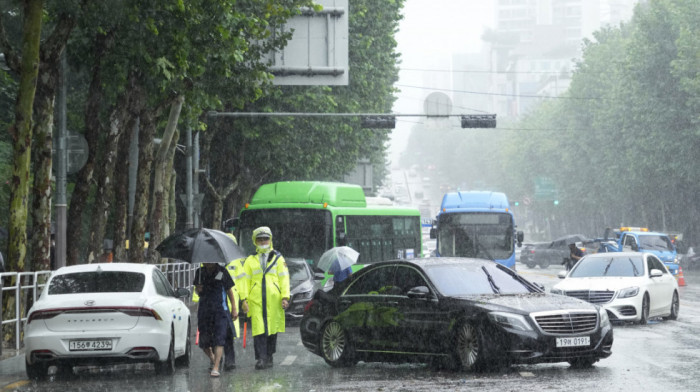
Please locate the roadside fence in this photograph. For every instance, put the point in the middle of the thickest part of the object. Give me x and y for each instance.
(24, 288)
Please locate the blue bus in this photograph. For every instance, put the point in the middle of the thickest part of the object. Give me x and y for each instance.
(476, 224)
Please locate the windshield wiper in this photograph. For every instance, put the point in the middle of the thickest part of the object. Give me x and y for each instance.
(494, 287)
(607, 267)
(634, 268)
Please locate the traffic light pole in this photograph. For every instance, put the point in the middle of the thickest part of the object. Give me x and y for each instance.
(372, 120)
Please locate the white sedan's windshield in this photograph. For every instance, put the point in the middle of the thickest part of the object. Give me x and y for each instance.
(609, 266)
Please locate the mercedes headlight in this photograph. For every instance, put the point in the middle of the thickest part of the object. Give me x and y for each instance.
(604, 319)
(510, 320)
(301, 296)
(628, 292)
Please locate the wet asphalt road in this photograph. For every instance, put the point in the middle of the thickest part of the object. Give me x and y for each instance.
(661, 356)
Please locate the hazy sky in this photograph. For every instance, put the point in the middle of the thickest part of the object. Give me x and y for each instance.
(431, 31)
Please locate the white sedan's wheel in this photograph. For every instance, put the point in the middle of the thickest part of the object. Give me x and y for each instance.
(675, 307)
(168, 367)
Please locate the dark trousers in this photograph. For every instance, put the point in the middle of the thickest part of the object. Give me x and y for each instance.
(265, 346)
(229, 352)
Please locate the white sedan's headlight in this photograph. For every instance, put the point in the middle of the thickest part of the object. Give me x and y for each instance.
(604, 319)
(628, 292)
(556, 291)
(510, 320)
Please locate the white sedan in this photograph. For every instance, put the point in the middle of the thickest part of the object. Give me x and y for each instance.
(631, 286)
(93, 314)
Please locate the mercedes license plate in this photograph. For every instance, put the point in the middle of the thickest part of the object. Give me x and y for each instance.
(577, 341)
(90, 345)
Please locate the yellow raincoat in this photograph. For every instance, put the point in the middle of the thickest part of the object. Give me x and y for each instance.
(264, 290)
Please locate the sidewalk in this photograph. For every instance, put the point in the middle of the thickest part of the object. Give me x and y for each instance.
(11, 367)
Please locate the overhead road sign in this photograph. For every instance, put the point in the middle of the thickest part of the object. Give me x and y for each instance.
(317, 53)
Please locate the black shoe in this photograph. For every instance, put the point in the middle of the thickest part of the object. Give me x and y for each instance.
(229, 366)
(259, 364)
(267, 364)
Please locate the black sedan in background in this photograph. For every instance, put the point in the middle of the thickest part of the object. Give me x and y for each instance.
(469, 314)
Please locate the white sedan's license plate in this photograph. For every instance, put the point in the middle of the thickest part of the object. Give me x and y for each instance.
(90, 345)
(577, 341)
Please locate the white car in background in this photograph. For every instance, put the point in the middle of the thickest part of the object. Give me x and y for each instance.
(95, 314)
(631, 286)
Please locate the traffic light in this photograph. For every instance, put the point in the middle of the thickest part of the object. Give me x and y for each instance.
(479, 121)
(380, 122)
(517, 203)
(556, 202)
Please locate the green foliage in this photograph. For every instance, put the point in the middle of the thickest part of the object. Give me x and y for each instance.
(316, 148)
(626, 139)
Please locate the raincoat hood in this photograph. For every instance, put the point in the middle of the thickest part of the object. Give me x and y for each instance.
(262, 230)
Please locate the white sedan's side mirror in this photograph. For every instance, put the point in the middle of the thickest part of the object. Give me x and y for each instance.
(655, 273)
(562, 274)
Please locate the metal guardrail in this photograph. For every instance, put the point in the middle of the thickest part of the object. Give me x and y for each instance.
(20, 285)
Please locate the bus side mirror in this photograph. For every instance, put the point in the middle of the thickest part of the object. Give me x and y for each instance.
(433, 233)
(342, 239)
(520, 236)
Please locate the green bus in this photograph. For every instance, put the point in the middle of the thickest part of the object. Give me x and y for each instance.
(309, 217)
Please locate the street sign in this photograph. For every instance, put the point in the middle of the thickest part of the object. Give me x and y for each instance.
(545, 189)
(318, 53)
(76, 152)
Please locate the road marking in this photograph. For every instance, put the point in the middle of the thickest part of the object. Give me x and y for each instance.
(527, 374)
(15, 385)
(300, 344)
(288, 360)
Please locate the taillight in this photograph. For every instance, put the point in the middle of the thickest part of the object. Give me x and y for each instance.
(131, 311)
(141, 312)
(308, 306)
(44, 314)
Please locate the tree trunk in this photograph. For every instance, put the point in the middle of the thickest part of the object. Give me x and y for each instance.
(105, 188)
(160, 165)
(147, 129)
(42, 162)
(44, 100)
(21, 133)
(219, 197)
(121, 196)
(83, 184)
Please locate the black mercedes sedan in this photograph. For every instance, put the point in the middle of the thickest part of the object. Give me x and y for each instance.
(468, 314)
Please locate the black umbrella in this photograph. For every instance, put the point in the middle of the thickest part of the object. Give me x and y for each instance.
(200, 246)
(569, 239)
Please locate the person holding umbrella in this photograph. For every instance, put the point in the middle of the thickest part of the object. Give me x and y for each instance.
(213, 284)
(265, 296)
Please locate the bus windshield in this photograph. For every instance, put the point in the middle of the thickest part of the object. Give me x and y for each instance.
(296, 233)
(476, 234)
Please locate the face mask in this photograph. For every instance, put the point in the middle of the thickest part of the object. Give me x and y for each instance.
(266, 246)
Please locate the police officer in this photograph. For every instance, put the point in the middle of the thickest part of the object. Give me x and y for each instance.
(266, 295)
